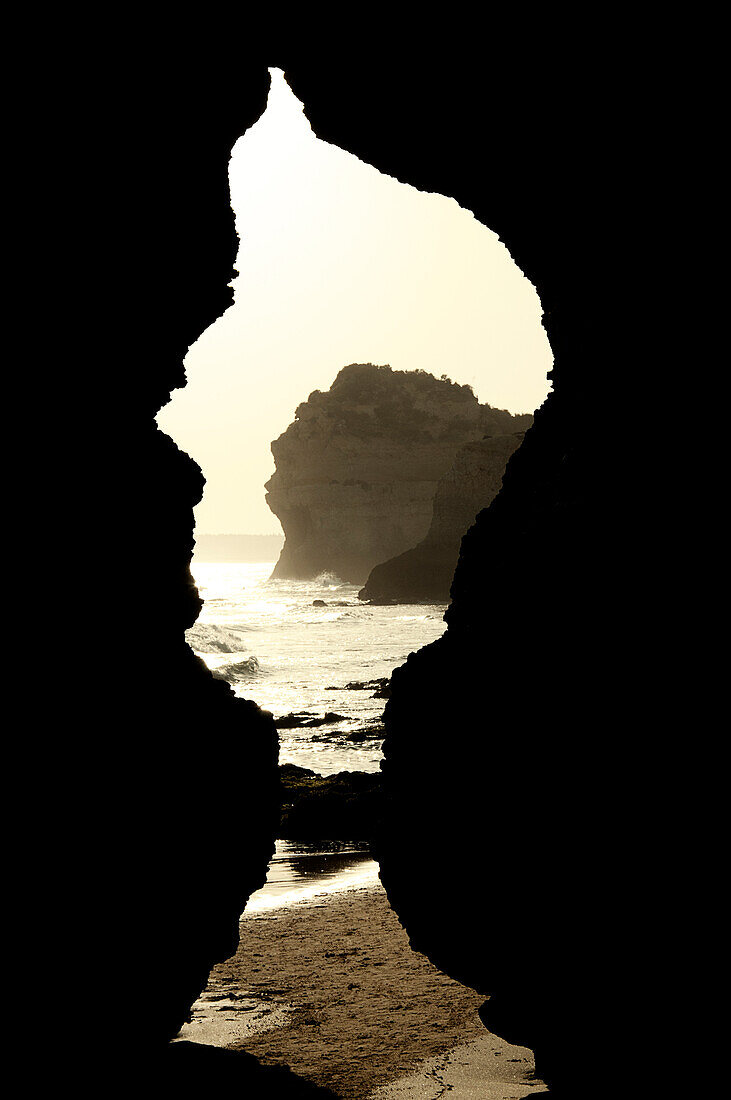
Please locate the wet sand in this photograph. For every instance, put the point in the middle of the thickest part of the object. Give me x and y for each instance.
(330, 987)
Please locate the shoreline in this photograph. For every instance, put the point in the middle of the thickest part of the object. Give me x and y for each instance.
(330, 987)
(304, 871)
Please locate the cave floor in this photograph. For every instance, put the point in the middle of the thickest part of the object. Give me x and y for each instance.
(339, 996)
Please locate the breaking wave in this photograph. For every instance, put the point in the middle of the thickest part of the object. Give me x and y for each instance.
(239, 670)
(209, 638)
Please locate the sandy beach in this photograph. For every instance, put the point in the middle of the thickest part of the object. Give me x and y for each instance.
(330, 987)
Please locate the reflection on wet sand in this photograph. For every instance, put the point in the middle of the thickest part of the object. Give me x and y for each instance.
(300, 870)
(331, 988)
(228, 1015)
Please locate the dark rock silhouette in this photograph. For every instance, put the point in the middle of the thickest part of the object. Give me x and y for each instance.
(504, 851)
(306, 719)
(542, 751)
(147, 886)
(346, 805)
(189, 1069)
(513, 827)
(424, 574)
(357, 469)
(381, 686)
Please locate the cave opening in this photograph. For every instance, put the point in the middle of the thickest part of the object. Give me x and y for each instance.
(359, 300)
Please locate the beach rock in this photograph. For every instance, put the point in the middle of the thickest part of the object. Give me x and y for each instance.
(357, 470)
(303, 720)
(293, 721)
(345, 806)
(366, 733)
(424, 573)
(293, 772)
(380, 684)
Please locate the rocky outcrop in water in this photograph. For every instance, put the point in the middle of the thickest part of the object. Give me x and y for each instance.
(357, 470)
(344, 806)
(424, 574)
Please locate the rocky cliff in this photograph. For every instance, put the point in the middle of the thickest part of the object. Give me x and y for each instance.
(358, 468)
(424, 573)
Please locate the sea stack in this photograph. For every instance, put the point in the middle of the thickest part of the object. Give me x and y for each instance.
(357, 470)
(424, 573)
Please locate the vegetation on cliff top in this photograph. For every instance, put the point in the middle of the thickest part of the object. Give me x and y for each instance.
(366, 398)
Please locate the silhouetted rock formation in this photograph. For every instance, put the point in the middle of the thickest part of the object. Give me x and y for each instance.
(507, 830)
(190, 1070)
(344, 806)
(510, 849)
(517, 852)
(168, 900)
(357, 470)
(305, 720)
(424, 574)
(148, 887)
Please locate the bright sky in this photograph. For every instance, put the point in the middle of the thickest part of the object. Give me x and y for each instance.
(339, 264)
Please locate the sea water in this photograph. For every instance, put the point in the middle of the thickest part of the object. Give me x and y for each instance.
(274, 645)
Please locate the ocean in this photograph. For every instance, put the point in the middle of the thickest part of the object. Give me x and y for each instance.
(272, 643)
(294, 657)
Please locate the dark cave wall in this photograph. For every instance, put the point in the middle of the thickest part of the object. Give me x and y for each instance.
(190, 733)
(517, 811)
(155, 871)
(425, 572)
(500, 847)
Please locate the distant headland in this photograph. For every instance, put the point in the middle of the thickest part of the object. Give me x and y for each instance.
(358, 470)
